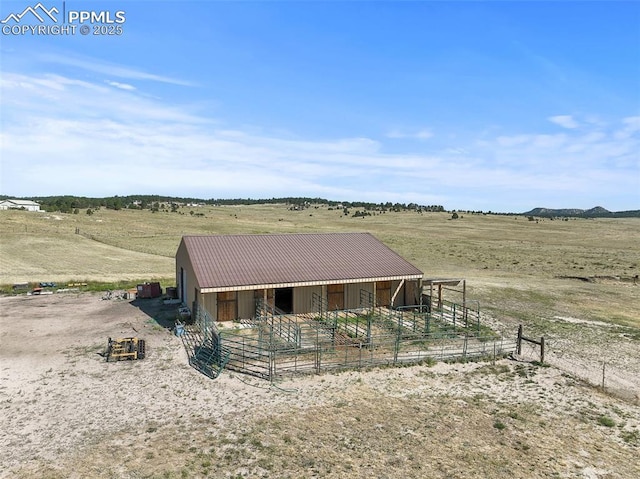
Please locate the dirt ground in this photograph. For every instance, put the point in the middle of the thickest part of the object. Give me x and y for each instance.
(65, 412)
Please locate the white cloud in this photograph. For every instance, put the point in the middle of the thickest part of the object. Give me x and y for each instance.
(108, 69)
(422, 134)
(631, 127)
(565, 121)
(122, 86)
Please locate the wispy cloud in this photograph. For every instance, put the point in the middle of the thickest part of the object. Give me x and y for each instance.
(108, 69)
(122, 86)
(631, 127)
(422, 134)
(565, 121)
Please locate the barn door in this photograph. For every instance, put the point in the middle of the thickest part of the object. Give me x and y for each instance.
(383, 293)
(335, 296)
(227, 306)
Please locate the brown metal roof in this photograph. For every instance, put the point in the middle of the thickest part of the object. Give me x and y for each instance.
(279, 260)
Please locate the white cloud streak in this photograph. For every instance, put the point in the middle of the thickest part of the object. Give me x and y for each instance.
(122, 86)
(422, 134)
(108, 69)
(565, 121)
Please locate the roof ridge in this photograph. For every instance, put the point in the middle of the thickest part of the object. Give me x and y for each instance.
(203, 235)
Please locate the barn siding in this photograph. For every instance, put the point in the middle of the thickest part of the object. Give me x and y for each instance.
(411, 296)
(303, 298)
(335, 296)
(183, 261)
(210, 303)
(352, 294)
(247, 303)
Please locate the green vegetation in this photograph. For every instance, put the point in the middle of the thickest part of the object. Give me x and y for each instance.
(499, 425)
(606, 421)
(86, 286)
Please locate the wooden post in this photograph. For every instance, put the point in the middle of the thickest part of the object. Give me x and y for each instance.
(519, 341)
(393, 298)
(464, 297)
(603, 369)
(430, 297)
(542, 350)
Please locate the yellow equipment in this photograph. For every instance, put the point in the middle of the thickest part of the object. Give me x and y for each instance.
(125, 348)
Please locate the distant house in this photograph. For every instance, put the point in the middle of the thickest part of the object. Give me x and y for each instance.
(19, 205)
(229, 274)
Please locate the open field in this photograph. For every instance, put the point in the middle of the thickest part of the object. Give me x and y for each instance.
(513, 266)
(71, 415)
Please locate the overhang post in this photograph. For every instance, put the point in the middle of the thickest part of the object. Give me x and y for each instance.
(431, 297)
(393, 298)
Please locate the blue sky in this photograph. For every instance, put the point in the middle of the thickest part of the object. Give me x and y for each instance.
(483, 105)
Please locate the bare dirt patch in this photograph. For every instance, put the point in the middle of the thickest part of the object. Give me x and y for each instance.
(65, 412)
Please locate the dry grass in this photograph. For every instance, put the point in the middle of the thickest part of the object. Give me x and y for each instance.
(505, 258)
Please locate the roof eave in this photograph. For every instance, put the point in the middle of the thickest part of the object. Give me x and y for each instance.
(299, 284)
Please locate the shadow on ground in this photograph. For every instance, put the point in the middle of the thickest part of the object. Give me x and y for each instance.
(163, 314)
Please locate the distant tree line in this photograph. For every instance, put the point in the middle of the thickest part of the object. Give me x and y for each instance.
(75, 204)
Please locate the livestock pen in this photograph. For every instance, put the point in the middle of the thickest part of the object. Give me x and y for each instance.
(272, 344)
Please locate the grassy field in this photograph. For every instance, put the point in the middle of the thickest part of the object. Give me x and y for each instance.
(513, 266)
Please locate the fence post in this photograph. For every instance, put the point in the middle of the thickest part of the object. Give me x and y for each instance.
(272, 360)
(519, 341)
(603, 373)
(542, 350)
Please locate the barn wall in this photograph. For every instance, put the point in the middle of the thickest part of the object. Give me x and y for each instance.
(303, 298)
(210, 303)
(183, 261)
(334, 294)
(352, 294)
(247, 304)
(412, 293)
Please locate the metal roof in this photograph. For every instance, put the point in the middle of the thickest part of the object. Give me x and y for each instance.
(21, 202)
(242, 262)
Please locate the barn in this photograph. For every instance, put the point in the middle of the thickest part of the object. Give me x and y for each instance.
(12, 204)
(229, 275)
